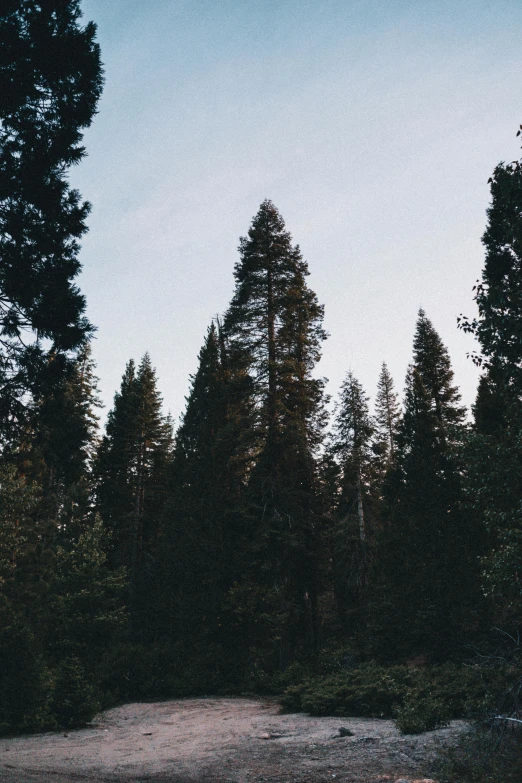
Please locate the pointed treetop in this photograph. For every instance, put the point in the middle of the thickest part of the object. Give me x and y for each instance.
(387, 415)
(354, 424)
(432, 363)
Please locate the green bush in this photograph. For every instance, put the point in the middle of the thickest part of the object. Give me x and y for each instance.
(369, 691)
(419, 713)
(446, 691)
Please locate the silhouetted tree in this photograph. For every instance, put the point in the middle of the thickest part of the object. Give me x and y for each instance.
(50, 83)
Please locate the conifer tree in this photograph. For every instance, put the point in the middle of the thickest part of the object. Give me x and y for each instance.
(85, 599)
(273, 330)
(115, 466)
(426, 561)
(194, 518)
(62, 444)
(354, 511)
(50, 83)
(432, 362)
(494, 452)
(131, 471)
(498, 296)
(387, 418)
(353, 432)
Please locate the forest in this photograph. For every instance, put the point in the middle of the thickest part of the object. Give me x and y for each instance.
(353, 559)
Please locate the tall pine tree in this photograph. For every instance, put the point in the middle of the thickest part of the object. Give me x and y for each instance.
(387, 418)
(354, 506)
(50, 83)
(273, 330)
(194, 564)
(495, 454)
(131, 470)
(426, 561)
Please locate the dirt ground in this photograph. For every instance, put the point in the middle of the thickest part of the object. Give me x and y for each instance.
(220, 741)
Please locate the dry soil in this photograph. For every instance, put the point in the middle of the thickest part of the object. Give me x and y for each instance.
(220, 741)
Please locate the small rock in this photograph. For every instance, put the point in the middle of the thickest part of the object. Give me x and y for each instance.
(373, 739)
(402, 780)
(344, 732)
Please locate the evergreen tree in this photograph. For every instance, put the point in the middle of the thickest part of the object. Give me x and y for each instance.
(431, 361)
(426, 561)
(491, 403)
(498, 295)
(353, 432)
(273, 330)
(354, 510)
(131, 471)
(62, 443)
(50, 83)
(387, 419)
(86, 600)
(494, 452)
(193, 558)
(114, 466)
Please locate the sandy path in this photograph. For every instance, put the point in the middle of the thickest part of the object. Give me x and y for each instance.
(225, 740)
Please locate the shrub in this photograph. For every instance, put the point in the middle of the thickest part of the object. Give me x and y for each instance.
(419, 713)
(427, 696)
(369, 691)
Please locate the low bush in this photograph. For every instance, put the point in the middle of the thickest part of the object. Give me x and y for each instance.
(419, 713)
(417, 697)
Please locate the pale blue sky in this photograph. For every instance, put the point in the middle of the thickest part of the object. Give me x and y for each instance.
(373, 126)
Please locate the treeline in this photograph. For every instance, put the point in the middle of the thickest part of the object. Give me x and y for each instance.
(255, 543)
(260, 543)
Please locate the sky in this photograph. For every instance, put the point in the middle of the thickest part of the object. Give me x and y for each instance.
(373, 126)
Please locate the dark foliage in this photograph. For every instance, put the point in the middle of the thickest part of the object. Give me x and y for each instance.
(50, 83)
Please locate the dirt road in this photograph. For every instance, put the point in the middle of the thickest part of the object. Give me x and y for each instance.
(221, 741)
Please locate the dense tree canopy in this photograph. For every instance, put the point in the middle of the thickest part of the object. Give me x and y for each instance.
(50, 83)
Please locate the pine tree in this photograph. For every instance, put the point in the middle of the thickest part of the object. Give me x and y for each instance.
(432, 362)
(131, 470)
(354, 506)
(63, 439)
(494, 452)
(387, 418)
(86, 599)
(50, 83)
(274, 325)
(426, 560)
(273, 330)
(353, 432)
(193, 557)
(498, 297)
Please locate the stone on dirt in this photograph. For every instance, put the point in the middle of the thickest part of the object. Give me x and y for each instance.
(344, 732)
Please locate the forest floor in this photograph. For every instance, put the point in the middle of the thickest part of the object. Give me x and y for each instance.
(215, 740)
